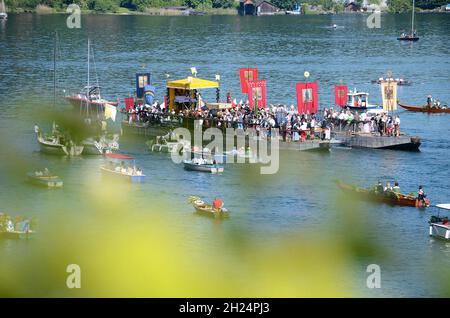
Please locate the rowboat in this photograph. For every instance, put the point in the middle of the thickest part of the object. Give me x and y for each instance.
(17, 234)
(389, 197)
(191, 165)
(14, 230)
(425, 109)
(205, 209)
(49, 181)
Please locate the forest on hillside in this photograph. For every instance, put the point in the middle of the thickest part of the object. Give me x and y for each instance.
(141, 5)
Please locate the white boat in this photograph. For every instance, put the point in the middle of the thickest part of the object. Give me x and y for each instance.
(360, 101)
(198, 165)
(101, 146)
(53, 146)
(3, 14)
(132, 176)
(45, 179)
(440, 226)
(130, 173)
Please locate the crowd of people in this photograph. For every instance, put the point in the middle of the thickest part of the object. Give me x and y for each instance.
(292, 125)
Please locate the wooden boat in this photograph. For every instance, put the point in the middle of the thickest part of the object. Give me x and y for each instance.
(49, 181)
(425, 109)
(205, 209)
(391, 197)
(212, 168)
(17, 234)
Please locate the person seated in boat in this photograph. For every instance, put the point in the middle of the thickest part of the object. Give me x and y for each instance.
(46, 172)
(388, 187)
(138, 172)
(396, 187)
(217, 204)
(429, 101)
(421, 195)
(379, 187)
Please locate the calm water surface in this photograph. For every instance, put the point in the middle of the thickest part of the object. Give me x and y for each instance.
(302, 195)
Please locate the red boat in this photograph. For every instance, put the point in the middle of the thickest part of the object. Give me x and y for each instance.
(425, 109)
(91, 101)
(390, 197)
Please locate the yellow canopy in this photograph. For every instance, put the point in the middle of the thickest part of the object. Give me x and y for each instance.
(192, 83)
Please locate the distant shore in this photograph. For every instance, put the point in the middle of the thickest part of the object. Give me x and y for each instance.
(42, 9)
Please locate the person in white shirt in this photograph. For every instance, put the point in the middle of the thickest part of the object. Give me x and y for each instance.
(397, 125)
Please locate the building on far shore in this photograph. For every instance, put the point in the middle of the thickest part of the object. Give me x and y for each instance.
(257, 7)
(352, 7)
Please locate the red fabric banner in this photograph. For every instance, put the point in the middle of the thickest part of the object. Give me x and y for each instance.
(129, 103)
(307, 100)
(340, 95)
(246, 75)
(257, 91)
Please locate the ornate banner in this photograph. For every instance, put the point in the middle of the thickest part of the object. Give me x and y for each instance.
(307, 100)
(257, 92)
(389, 95)
(340, 95)
(246, 75)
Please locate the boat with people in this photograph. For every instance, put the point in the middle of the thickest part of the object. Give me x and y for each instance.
(122, 171)
(100, 145)
(433, 109)
(388, 196)
(412, 36)
(45, 178)
(19, 228)
(399, 81)
(56, 144)
(203, 165)
(215, 209)
(358, 100)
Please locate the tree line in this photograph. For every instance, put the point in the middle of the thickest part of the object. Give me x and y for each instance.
(141, 5)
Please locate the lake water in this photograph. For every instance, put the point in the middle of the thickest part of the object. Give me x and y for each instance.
(290, 234)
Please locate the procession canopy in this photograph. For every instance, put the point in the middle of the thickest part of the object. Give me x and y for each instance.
(183, 92)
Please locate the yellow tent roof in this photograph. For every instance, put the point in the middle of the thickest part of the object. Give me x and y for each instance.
(192, 83)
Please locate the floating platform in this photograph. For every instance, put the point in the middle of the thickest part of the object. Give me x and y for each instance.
(146, 129)
(402, 142)
(306, 145)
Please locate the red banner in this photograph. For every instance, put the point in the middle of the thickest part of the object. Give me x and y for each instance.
(246, 75)
(257, 92)
(129, 103)
(340, 95)
(307, 100)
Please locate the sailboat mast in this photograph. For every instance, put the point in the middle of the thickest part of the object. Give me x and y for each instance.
(88, 65)
(412, 19)
(54, 69)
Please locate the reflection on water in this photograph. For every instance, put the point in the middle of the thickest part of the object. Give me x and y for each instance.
(290, 234)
